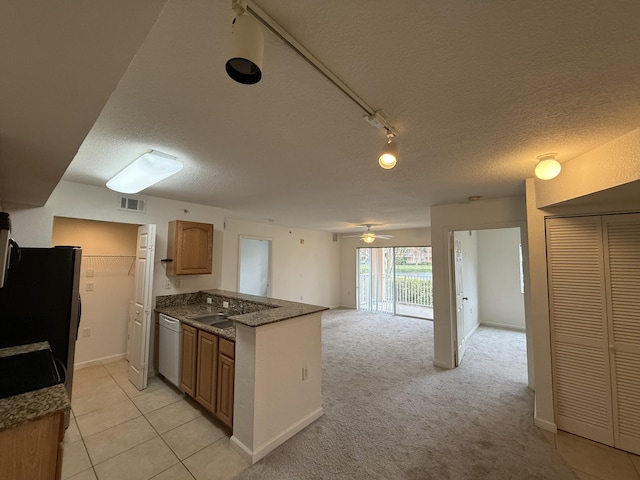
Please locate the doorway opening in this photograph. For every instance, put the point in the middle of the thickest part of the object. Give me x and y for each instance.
(116, 282)
(486, 283)
(254, 272)
(395, 280)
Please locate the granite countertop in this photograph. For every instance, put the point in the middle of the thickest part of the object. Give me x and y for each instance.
(30, 406)
(250, 310)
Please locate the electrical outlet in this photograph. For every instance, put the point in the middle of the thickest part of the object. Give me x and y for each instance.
(305, 373)
(89, 286)
(179, 283)
(86, 332)
(209, 300)
(167, 284)
(225, 304)
(90, 272)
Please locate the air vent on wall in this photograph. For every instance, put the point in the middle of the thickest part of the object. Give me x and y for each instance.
(132, 204)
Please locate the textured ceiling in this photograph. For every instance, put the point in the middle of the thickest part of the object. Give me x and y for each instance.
(476, 90)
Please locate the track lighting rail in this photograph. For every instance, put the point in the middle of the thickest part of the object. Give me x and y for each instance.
(242, 6)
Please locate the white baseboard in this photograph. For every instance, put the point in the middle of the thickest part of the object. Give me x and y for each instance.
(253, 456)
(442, 365)
(473, 330)
(503, 325)
(545, 425)
(99, 361)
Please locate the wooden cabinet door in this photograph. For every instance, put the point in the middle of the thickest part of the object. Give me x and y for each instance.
(207, 366)
(190, 245)
(33, 450)
(188, 366)
(224, 397)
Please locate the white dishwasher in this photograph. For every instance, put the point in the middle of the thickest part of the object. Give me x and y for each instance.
(170, 349)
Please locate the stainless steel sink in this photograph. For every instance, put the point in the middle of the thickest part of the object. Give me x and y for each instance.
(218, 320)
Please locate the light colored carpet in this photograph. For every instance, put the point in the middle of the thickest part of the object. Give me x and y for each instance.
(390, 414)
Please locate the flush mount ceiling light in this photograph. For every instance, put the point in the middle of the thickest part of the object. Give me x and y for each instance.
(548, 167)
(245, 62)
(146, 170)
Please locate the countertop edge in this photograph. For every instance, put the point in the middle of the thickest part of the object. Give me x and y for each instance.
(277, 311)
(30, 406)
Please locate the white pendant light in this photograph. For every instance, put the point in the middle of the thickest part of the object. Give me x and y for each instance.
(145, 171)
(389, 155)
(245, 61)
(548, 167)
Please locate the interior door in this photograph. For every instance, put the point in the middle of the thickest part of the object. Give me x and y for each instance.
(255, 266)
(622, 267)
(142, 301)
(579, 335)
(460, 298)
(132, 309)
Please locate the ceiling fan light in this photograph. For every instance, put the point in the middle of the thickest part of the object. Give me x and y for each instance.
(389, 155)
(368, 237)
(548, 167)
(146, 170)
(245, 61)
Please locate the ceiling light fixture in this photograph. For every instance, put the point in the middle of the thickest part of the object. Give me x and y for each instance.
(389, 155)
(246, 64)
(146, 170)
(548, 167)
(368, 237)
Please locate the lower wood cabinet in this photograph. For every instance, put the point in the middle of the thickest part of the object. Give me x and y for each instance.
(189, 359)
(226, 374)
(33, 450)
(207, 370)
(207, 373)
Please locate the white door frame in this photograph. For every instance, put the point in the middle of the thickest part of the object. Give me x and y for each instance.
(142, 304)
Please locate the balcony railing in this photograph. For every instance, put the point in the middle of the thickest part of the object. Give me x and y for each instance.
(410, 290)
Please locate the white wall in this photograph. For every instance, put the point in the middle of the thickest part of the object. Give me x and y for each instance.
(417, 237)
(501, 301)
(304, 263)
(505, 212)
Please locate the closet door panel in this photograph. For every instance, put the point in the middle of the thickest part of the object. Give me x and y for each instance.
(579, 343)
(622, 268)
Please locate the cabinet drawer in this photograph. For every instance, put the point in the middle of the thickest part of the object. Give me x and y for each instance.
(227, 348)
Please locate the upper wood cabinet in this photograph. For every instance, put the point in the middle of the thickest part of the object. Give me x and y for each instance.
(190, 247)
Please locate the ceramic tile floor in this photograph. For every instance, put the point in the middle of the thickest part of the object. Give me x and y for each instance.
(595, 461)
(117, 432)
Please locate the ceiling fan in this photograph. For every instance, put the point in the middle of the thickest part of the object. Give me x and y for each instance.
(369, 236)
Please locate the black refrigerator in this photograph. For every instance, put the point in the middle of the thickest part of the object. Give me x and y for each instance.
(40, 301)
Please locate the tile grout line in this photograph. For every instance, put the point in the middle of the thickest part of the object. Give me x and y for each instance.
(155, 430)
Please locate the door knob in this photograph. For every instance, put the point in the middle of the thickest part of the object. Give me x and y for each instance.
(465, 298)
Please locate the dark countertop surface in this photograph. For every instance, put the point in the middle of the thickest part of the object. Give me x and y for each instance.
(250, 310)
(30, 406)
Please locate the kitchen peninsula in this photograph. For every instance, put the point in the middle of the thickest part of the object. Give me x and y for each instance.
(278, 351)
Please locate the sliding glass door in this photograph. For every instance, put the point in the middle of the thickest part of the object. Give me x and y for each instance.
(395, 280)
(375, 280)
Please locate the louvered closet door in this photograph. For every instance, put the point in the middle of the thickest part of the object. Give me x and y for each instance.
(622, 268)
(579, 335)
